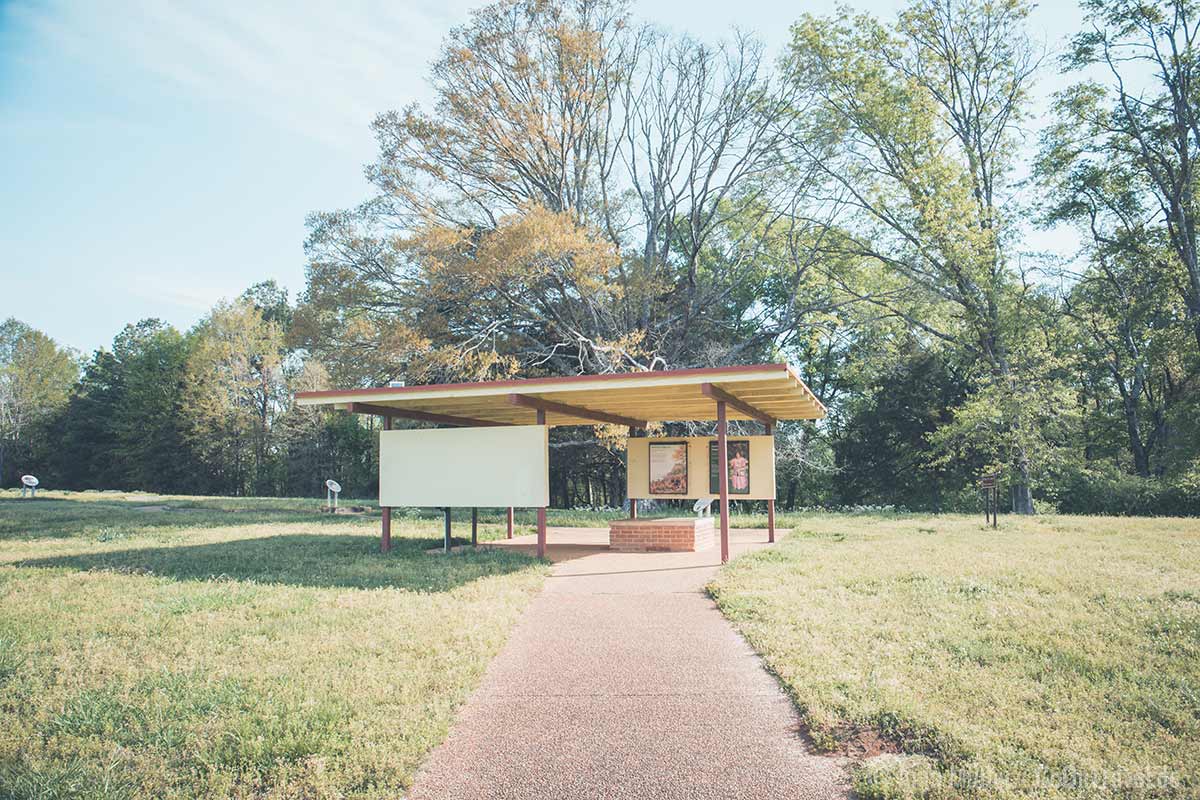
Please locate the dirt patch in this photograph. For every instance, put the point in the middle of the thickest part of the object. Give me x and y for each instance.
(863, 743)
(151, 508)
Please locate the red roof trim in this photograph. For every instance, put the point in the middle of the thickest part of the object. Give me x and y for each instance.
(553, 381)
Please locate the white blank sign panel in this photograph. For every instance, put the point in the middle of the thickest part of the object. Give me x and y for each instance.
(501, 466)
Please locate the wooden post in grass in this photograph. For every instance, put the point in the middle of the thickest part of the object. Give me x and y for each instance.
(996, 502)
(510, 522)
(474, 527)
(990, 486)
(446, 536)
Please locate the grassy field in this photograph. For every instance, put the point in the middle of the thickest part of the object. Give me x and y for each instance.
(200, 647)
(1058, 657)
(158, 646)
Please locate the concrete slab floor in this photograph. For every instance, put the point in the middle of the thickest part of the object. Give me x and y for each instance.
(623, 680)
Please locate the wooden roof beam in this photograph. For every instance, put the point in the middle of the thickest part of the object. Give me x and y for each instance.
(422, 416)
(715, 392)
(528, 401)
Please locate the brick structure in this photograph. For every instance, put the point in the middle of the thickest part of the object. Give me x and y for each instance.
(658, 535)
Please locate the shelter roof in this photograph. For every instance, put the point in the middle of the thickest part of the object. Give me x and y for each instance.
(763, 391)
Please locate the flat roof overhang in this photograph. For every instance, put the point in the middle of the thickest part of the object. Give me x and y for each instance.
(766, 392)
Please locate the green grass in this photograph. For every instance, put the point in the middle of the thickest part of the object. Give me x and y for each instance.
(234, 648)
(1058, 657)
(209, 647)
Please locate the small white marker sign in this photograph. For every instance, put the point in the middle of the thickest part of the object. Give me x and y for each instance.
(333, 488)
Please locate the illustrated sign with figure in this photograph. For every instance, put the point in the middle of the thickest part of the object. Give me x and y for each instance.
(738, 453)
(660, 468)
(668, 468)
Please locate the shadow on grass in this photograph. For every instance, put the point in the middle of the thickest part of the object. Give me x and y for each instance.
(106, 520)
(312, 560)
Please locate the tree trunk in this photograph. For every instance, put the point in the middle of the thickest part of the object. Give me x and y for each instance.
(1141, 457)
(1022, 493)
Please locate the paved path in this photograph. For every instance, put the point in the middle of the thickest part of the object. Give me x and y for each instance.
(622, 680)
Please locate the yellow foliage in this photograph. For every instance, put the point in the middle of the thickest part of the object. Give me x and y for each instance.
(522, 250)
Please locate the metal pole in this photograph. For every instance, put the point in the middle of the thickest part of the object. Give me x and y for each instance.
(385, 542)
(769, 429)
(446, 536)
(723, 478)
(541, 512)
(633, 508)
(474, 527)
(510, 522)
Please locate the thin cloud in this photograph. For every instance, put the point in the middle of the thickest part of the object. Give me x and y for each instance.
(320, 70)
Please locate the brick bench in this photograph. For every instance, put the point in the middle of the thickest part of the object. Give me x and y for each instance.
(661, 535)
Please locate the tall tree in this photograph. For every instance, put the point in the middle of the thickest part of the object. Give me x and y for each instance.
(36, 376)
(123, 427)
(915, 128)
(1117, 163)
(1145, 118)
(321, 444)
(147, 422)
(586, 195)
(235, 390)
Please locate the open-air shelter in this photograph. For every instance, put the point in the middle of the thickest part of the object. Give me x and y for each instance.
(491, 445)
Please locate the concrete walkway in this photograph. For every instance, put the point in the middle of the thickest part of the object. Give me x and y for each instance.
(622, 680)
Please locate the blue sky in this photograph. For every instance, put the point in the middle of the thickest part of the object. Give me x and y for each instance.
(156, 157)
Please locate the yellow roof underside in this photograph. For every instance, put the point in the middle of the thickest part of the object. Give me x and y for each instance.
(773, 389)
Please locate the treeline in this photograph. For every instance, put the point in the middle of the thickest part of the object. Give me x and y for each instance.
(590, 194)
(208, 411)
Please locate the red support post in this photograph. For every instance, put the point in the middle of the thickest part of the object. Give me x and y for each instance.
(510, 522)
(541, 512)
(385, 540)
(633, 503)
(723, 477)
(769, 430)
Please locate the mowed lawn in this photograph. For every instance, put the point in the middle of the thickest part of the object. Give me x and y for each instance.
(1058, 657)
(204, 647)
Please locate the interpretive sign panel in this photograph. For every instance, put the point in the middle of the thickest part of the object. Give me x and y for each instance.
(669, 468)
(751, 468)
(501, 466)
(738, 459)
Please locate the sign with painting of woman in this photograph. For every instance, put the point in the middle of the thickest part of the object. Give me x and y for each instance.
(738, 452)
